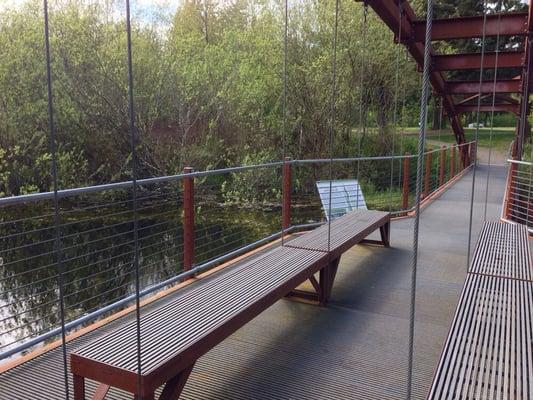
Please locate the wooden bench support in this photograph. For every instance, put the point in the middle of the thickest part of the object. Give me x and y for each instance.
(171, 391)
(327, 277)
(322, 288)
(79, 387)
(101, 392)
(178, 332)
(385, 237)
(175, 386)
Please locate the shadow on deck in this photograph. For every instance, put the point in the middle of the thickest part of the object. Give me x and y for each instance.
(356, 348)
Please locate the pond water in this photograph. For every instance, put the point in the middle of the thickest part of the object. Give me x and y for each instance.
(97, 252)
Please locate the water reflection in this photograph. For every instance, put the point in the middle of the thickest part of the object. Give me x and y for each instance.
(97, 243)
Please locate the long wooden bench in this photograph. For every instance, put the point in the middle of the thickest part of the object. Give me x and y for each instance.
(175, 335)
(489, 350)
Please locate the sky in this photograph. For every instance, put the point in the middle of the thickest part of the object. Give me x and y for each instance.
(146, 5)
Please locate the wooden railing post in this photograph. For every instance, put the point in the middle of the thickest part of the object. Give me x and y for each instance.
(287, 188)
(452, 162)
(427, 175)
(405, 184)
(509, 192)
(442, 165)
(188, 220)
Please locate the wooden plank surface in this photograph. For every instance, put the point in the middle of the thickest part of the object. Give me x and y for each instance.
(169, 330)
(503, 250)
(488, 354)
(345, 231)
(489, 350)
(187, 326)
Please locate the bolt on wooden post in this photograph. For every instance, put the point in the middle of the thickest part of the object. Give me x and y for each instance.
(188, 219)
(287, 187)
(427, 175)
(405, 183)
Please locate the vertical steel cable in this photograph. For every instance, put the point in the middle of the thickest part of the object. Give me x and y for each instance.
(474, 169)
(523, 126)
(362, 113)
(419, 169)
(402, 125)
(57, 222)
(439, 154)
(284, 101)
(396, 94)
(525, 101)
(332, 116)
(489, 161)
(133, 144)
(440, 121)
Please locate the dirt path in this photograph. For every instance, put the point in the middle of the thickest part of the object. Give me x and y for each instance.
(497, 157)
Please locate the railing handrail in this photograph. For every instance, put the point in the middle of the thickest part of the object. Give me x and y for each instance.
(64, 193)
(520, 162)
(190, 268)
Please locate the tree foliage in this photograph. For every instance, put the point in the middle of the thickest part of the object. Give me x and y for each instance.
(207, 84)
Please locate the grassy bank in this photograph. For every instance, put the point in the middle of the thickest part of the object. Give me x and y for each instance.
(501, 136)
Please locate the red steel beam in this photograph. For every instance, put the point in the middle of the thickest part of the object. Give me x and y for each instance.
(510, 24)
(512, 108)
(388, 11)
(507, 99)
(468, 99)
(507, 59)
(472, 87)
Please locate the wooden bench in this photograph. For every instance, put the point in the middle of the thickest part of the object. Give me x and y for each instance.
(175, 335)
(489, 350)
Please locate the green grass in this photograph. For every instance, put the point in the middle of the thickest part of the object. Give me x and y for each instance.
(501, 137)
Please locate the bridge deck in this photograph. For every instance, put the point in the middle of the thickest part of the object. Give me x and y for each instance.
(356, 348)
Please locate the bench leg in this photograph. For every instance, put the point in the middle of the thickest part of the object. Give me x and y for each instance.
(101, 392)
(174, 387)
(327, 278)
(79, 387)
(384, 231)
(385, 234)
(304, 294)
(150, 396)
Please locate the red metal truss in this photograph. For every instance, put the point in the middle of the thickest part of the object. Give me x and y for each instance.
(505, 24)
(472, 87)
(510, 24)
(499, 107)
(522, 127)
(454, 62)
(389, 12)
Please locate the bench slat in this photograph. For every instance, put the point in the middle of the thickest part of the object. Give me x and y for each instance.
(177, 333)
(352, 226)
(503, 250)
(489, 350)
(197, 311)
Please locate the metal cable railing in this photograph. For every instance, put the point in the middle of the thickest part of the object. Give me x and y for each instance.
(518, 201)
(235, 210)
